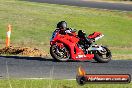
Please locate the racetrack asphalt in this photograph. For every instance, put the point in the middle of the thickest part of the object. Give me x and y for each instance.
(92, 4)
(36, 67)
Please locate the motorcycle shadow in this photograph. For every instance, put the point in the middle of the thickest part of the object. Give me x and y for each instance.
(28, 58)
(41, 59)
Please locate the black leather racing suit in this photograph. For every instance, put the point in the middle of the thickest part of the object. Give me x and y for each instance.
(84, 40)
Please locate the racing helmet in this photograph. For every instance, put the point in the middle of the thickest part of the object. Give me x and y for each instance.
(62, 25)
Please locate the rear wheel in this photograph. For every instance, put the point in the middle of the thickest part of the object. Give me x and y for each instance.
(103, 56)
(59, 54)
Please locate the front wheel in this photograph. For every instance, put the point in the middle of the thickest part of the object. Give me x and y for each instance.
(103, 56)
(59, 54)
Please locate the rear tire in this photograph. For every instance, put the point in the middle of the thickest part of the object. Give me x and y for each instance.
(99, 57)
(57, 57)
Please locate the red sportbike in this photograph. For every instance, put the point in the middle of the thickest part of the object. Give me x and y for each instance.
(66, 47)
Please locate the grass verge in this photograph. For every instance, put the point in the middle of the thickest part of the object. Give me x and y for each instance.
(18, 83)
(33, 24)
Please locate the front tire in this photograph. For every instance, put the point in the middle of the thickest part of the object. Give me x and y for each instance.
(103, 58)
(58, 54)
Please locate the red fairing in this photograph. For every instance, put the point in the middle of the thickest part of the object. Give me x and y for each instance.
(76, 52)
(94, 35)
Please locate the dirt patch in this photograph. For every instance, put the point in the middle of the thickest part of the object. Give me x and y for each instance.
(23, 51)
(130, 15)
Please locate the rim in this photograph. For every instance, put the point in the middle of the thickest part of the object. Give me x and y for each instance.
(61, 54)
(105, 54)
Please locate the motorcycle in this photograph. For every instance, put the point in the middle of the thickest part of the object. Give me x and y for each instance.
(67, 47)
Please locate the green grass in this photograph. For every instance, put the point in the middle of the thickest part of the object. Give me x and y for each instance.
(117, 0)
(33, 24)
(18, 83)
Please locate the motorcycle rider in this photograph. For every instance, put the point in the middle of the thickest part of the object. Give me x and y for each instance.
(63, 29)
